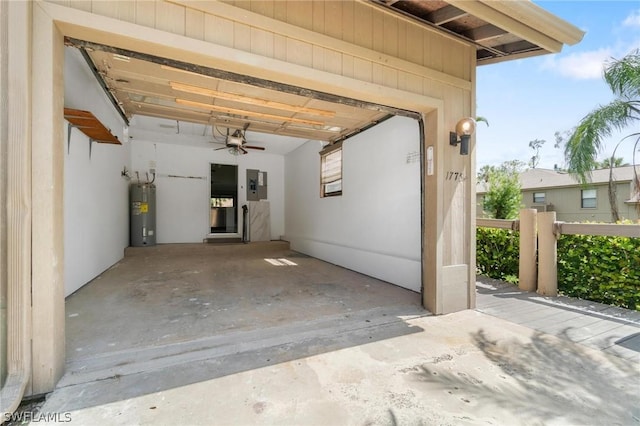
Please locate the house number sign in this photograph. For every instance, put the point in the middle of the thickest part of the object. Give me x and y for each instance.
(455, 176)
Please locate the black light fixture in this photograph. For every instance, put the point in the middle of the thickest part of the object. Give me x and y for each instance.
(464, 130)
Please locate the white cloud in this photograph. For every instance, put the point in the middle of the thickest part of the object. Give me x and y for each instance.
(633, 20)
(581, 65)
(589, 65)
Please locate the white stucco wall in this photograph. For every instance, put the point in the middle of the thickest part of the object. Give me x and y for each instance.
(183, 203)
(96, 218)
(374, 227)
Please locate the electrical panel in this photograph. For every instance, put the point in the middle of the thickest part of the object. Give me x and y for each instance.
(256, 185)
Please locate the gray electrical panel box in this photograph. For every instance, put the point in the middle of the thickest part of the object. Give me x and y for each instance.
(256, 185)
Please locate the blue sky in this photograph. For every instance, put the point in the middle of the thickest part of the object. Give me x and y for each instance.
(533, 98)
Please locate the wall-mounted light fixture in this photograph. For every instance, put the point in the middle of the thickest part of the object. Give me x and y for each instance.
(464, 130)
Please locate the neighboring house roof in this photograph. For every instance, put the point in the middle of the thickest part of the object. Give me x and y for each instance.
(546, 178)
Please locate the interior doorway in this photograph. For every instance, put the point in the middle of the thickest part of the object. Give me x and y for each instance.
(224, 199)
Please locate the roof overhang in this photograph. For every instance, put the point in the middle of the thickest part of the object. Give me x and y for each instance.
(500, 30)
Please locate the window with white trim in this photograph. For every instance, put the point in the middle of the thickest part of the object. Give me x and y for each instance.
(331, 171)
(588, 199)
(539, 197)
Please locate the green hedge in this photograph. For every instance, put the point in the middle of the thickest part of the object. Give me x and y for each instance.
(601, 269)
(497, 253)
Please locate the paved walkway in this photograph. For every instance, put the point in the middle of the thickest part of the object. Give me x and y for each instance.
(609, 329)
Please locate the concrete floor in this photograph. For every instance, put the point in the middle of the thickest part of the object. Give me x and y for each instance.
(188, 301)
(352, 351)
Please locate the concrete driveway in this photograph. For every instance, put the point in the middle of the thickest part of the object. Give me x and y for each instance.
(463, 368)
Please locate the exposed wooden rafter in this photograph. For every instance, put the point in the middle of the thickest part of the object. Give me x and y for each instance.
(484, 33)
(249, 100)
(248, 113)
(445, 14)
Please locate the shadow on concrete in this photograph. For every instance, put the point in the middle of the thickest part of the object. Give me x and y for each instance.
(218, 360)
(631, 342)
(548, 378)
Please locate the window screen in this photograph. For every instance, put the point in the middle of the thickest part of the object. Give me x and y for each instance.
(331, 172)
(588, 199)
(539, 197)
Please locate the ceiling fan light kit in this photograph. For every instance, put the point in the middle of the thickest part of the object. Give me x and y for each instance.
(237, 139)
(236, 143)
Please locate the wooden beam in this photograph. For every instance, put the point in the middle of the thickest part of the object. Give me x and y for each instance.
(484, 33)
(249, 100)
(497, 223)
(488, 12)
(605, 229)
(445, 14)
(248, 113)
(145, 107)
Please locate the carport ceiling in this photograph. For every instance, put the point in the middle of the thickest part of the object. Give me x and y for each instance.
(170, 91)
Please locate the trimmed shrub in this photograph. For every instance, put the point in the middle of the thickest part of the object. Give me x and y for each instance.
(497, 253)
(601, 269)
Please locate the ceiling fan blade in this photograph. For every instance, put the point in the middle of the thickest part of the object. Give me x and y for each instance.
(261, 148)
(222, 147)
(244, 151)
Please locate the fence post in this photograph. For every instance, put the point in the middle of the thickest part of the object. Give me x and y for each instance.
(547, 255)
(527, 270)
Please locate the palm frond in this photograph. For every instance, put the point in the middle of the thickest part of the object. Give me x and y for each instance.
(586, 141)
(482, 119)
(623, 76)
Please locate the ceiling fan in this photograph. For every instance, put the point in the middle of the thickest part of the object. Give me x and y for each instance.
(236, 143)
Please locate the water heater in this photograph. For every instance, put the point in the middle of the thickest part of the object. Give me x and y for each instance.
(142, 198)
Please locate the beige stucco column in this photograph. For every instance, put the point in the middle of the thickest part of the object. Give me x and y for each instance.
(15, 184)
(528, 263)
(547, 254)
(431, 215)
(47, 199)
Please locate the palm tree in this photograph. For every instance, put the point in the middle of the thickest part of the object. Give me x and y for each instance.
(611, 162)
(583, 146)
